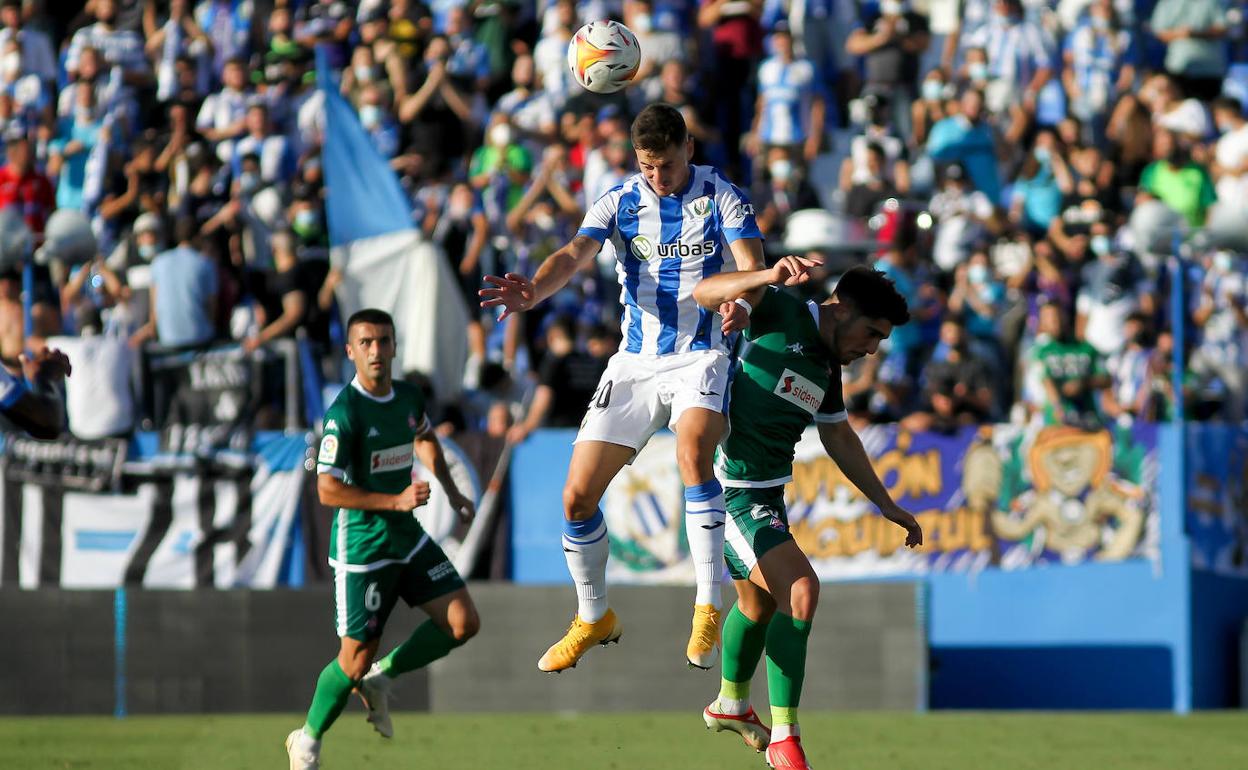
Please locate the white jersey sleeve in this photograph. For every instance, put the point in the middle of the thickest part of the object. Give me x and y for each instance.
(736, 213)
(599, 222)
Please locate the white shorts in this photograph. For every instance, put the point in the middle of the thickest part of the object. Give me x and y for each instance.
(639, 394)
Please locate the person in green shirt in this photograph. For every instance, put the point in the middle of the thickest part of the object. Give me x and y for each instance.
(379, 551)
(789, 377)
(1073, 372)
(1176, 180)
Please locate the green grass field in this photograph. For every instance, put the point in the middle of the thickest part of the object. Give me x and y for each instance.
(835, 741)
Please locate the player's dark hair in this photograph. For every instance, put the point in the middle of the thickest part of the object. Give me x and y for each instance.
(873, 294)
(370, 315)
(658, 127)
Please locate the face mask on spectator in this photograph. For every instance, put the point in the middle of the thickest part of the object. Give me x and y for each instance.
(892, 7)
(11, 65)
(248, 182)
(1042, 154)
(978, 71)
(363, 73)
(83, 115)
(1099, 22)
(500, 135)
(370, 115)
(932, 89)
(544, 221)
(781, 170)
(642, 23)
(1100, 245)
(1223, 262)
(977, 273)
(147, 251)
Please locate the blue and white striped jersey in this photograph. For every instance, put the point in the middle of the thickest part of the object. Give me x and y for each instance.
(663, 247)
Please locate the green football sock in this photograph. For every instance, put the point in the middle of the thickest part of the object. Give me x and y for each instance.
(786, 665)
(743, 641)
(426, 644)
(333, 688)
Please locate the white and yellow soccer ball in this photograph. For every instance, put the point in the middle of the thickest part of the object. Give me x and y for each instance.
(604, 56)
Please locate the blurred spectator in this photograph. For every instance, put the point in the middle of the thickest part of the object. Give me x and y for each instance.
(460, 228)
(76, 138)
(792, 101)
(877, 185)
(121, 49)
(1073, 373)
(500, 168)
(183, 293)
(174, 37)
(566, 380)
(274, 151)
(1230, 166)
(531, 111)
(223, 116)
(781, 190)
(1020, 61)
(1174, 109)
(1100, 59)
(736, 45)
(228, 24)
(962, 216)
(964, 137)
(1037, 195)
(1177, 180)
(957, 384)
(1221, 315)
(659, 43)
(1112, 288)
(550, 55)
(978, 299)
(1131, 368)
(890, 42)
(294, 298)
(1195, 54)
(24, 187)
(38, 54)
(438, 115)
(854, 169)
(932, 106)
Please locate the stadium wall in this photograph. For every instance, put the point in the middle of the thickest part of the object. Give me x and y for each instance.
(155, 652)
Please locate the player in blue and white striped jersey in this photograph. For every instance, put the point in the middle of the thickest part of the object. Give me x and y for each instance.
(668, 227)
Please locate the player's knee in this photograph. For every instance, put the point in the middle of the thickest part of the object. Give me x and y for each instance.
(577, 504)
(757, 606)
(356, 665)
(694, 463)
(466, 626)
(804, 597)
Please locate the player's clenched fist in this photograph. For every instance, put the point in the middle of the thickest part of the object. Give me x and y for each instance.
(415, 495)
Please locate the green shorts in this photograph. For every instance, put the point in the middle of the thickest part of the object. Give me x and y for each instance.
(363, 600)
(757, 522)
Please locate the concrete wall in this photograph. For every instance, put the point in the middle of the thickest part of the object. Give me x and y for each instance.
(232, 651)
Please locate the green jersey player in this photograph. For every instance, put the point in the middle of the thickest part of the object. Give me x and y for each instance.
(378, 549)
(790, 376)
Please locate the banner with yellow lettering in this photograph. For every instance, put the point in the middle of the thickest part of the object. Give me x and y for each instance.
(990, 497)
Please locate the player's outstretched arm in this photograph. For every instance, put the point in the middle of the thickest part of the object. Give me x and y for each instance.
(336, 493)
(429, 451)
(715, 290)
(516, 294)
(845, 449)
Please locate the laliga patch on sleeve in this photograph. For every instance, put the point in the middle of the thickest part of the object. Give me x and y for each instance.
(329, 450)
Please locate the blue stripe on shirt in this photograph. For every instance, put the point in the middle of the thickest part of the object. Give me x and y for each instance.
(671, 222)
(710, 266)
(632, 266)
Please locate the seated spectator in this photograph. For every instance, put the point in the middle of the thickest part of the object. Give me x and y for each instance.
(1037, 197)
(1113, 286)
(183, 293)
(1072, 371)
(963, 217)
(978, 299)
(957, 384)
(295, 298)
(932, 106)
(865, 197)
(1130, 368)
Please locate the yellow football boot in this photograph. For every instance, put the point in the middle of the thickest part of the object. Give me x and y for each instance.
(703, 649)
(581, 636)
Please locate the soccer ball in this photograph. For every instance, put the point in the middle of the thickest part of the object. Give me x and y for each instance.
(604, 56)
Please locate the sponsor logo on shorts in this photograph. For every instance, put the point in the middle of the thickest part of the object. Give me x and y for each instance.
(329, 450)
(392, 459)
(795, 388)
(759, 511)
(445, 569)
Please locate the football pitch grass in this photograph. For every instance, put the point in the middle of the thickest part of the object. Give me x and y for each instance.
(651, 741)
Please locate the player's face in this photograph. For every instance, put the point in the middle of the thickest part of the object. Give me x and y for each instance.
(858, 336)
(371, 348)
(666, 171)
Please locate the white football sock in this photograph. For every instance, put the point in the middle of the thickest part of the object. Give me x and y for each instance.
(585, 546)
(736, 708)
(780, 732)
(704, 527)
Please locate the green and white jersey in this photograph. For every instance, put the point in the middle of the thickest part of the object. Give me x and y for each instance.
(368, 444)
(787, 380)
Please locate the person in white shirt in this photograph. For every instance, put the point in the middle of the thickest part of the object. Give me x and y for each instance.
(1230, 167)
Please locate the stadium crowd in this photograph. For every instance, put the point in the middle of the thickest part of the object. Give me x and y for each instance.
(1007, 163)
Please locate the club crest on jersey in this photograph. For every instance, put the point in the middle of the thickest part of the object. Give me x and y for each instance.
(392, 459)
(796, 389)
(701, 207)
